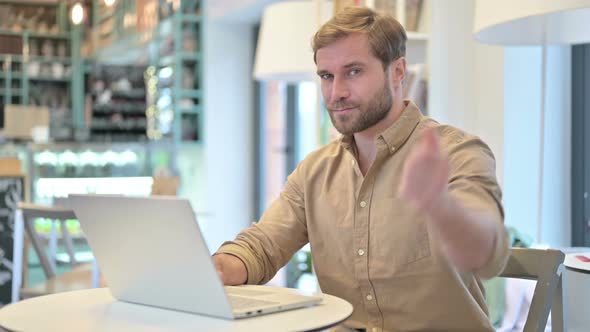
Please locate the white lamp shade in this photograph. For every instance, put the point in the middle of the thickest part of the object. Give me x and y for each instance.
(523, 22)
(284, 49)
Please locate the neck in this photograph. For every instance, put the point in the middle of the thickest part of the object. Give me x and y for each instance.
(365, 140)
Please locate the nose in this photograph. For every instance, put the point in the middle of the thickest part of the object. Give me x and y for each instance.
(340, 90)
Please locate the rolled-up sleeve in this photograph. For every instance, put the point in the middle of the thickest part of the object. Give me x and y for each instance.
(473, 183)
(268, 245)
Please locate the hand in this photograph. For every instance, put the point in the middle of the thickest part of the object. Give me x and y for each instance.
(468, 237)
(232, 271)
(426, 174)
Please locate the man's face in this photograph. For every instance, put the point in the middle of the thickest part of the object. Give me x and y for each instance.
(354, 84)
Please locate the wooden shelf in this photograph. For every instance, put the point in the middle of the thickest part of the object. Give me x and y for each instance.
(61, 35)
(105, 17)
(33, 2)
(190, 94)
(166, 61)
(169, 60)
(10, 33)
(131, 94)
(35, 34)
(13, 91)
(13, 75)
(66, 79)
(191, 56)
(22, 58)
(105, 110)
(191, 110)
(191, 18)
(135, 130)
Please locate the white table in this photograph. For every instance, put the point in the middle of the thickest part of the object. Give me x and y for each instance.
(96, 310)
(577, 291)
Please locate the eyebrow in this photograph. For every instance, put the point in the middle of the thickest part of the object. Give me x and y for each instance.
(346, 66)
(354, 64)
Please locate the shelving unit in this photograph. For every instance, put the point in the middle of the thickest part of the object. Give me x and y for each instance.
(117, 99)
(414, 15)
(24, 72)
(39, 62)
(170, 45)
(111, 23)
(178, 60)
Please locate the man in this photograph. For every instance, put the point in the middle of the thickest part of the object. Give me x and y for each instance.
(402, 214)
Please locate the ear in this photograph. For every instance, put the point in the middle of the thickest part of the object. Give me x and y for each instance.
(397, 72)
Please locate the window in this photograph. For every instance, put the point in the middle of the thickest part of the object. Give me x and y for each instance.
(581, 145)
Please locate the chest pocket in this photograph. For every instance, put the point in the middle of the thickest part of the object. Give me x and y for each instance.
(398, 236)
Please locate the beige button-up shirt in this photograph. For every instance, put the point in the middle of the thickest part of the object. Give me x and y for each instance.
(368, 246)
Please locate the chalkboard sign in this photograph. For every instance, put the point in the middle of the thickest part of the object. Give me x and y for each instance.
(11, 192)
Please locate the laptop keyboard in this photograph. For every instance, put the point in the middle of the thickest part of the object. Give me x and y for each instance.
(244, 292)
(238, 302)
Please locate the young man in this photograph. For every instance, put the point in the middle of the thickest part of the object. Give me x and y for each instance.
(403, 214)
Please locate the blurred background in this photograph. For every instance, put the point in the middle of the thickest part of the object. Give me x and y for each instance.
(217, 102)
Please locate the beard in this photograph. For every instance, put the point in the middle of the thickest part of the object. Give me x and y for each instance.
(365, 115)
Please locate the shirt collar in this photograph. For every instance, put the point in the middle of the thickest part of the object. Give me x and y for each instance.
(398, 133)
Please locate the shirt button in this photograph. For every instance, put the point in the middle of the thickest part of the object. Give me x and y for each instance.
(369, 297)
(361, 252)
(363, 204)
(393, 149)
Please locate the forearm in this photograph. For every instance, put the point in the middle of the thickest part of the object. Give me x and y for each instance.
(249, 256)
(468, 236)
(264, 248)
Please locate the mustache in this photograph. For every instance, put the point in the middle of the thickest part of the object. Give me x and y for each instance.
(341, 105)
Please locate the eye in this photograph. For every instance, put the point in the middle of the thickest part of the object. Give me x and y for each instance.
(354, 72)
(326, 76)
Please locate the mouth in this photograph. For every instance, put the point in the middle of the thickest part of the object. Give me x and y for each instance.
(343, 110)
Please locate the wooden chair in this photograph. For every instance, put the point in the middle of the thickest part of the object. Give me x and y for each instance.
(545, 266)
(78, 278)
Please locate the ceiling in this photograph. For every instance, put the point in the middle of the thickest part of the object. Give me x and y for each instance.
(238, 11)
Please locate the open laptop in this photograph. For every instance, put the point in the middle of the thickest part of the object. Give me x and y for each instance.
(151, 252)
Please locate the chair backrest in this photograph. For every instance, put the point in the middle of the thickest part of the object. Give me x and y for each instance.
(545, 266)
(30, 212)
(79, 277)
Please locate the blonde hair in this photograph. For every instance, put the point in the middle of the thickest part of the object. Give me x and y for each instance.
(387, 36)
